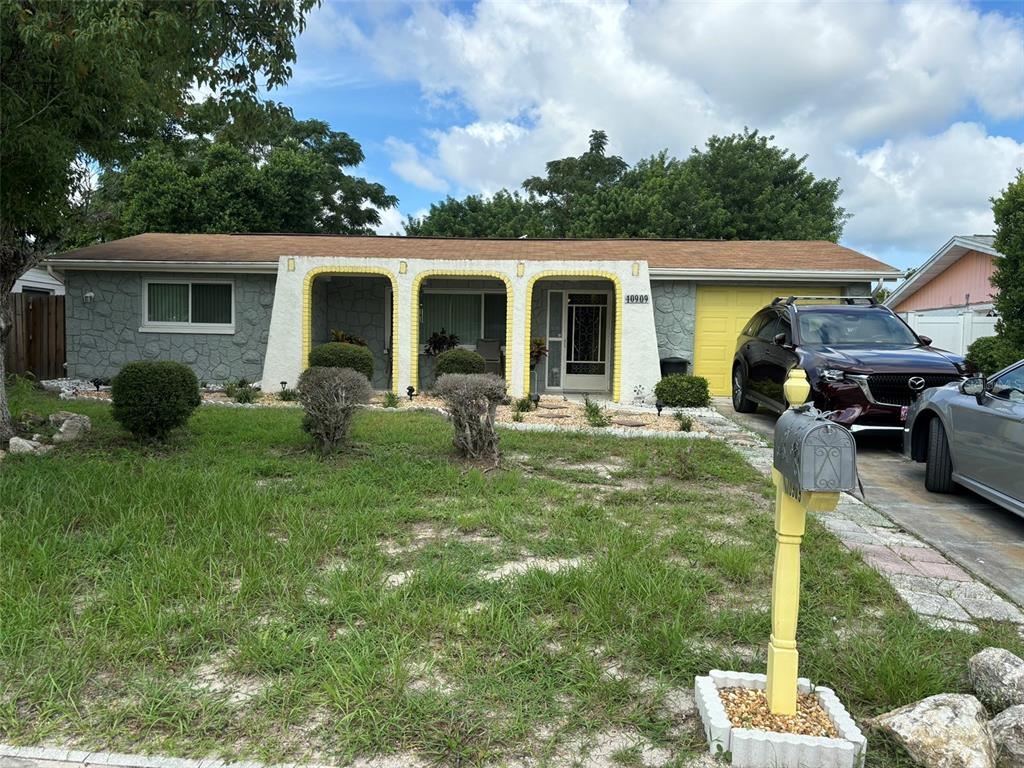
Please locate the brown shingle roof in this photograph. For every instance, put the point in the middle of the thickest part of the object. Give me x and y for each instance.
(664, 254)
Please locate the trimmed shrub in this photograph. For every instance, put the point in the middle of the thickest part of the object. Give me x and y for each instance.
(473, 400)
(992, 353)
(458, 361)
(329, 397)
(152, 397)
(337, 354)
(681, 390)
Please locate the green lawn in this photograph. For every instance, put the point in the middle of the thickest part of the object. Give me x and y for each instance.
(230, 594)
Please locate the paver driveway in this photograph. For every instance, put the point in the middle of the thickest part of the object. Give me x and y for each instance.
(983, 538)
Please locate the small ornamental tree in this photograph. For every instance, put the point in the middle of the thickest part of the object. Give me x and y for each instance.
(152, 397)
(341, 355)
(473, 400)
(459, 361)
(330, 396)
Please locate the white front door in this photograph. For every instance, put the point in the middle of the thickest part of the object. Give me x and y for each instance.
(587, 342)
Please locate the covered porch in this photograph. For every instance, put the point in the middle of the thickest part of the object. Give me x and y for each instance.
(578, 321)
(360, 306)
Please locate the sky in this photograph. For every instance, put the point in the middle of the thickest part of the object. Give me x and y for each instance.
(917, 107)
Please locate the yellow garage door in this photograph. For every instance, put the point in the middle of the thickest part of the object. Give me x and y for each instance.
(722, 311)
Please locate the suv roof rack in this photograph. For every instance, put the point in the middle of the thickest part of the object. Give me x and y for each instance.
(788, 300)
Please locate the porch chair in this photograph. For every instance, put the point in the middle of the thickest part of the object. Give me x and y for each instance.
(490, 351)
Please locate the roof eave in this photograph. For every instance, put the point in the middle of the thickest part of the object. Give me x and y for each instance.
(751, 275)
(163, 266)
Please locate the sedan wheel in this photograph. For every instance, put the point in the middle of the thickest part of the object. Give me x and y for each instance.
(938, 473)
(740, 402)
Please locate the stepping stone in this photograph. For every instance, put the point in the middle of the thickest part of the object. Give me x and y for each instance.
(552, 415)
(629, 423)
(552, 406)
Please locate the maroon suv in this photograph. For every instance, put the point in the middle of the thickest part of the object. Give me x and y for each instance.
(864, 364)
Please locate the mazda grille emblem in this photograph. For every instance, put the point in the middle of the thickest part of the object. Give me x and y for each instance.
(916, 383)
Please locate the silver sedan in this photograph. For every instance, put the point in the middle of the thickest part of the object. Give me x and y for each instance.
(971, 433)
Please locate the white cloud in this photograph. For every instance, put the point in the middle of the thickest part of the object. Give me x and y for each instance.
(406, 163)
(391, 222)
(871, 91)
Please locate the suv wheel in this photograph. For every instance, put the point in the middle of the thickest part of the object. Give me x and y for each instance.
(740, 402)
(938, 473)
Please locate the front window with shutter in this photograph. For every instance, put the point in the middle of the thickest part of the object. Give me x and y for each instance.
(189, 307)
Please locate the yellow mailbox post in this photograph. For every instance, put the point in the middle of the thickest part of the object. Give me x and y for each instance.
(790, 518)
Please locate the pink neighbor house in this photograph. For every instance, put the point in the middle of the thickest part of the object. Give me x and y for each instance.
(949, 298)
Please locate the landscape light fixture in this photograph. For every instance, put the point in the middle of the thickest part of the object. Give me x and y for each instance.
(284, 385)
(659, 405)
(411, 391)
(535, 398)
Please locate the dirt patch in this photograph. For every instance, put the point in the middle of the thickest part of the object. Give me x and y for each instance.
(424, 678)
(518, 567)
(608, 748)
(213, 677)
(422, 535)
(398, 579)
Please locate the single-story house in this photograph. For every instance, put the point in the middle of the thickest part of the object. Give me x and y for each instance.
(253, 306)
(949, 298)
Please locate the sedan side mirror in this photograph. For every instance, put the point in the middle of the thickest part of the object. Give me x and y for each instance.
(926, 340)
(781, 340)
(974, 386)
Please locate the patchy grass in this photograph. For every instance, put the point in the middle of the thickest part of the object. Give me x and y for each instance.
(231, 594)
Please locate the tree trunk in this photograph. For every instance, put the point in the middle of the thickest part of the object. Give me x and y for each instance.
(14, 262)
(6, 424)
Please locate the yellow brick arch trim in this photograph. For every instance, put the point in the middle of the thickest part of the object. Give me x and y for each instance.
(617, 344)
(417, 284)
(307, 308)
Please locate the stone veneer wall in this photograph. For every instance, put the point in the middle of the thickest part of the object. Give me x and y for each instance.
(675, 317)
(355, 305)
(102, 335)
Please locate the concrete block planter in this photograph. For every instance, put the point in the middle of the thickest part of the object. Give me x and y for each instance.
(764, 749)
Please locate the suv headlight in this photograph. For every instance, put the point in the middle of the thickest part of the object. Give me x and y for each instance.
(833, 374)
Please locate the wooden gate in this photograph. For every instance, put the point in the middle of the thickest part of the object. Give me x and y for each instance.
(36, 342)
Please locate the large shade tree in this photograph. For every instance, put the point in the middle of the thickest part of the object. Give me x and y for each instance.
(1008, 210)
(740, 186)
(86, 80)
(257, 169)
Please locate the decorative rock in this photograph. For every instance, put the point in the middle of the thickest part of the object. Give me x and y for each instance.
(59, 417)
(944, 731)
(998, 678)
(31, 419)
(629, 423)
(72, 427)
(1008, 733)
(21, 445)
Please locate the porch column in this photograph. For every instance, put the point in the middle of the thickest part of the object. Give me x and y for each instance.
(401, 356)
(283, 360)
(516, 356)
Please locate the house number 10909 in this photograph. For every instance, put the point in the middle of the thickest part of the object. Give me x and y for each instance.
(637, 298)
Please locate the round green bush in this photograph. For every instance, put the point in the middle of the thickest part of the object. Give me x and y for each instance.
(152, 397)
(993, 353)
(340, 355)
(681, 390)
(458, 361)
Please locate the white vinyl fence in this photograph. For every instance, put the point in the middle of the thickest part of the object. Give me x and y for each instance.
(953, 333)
